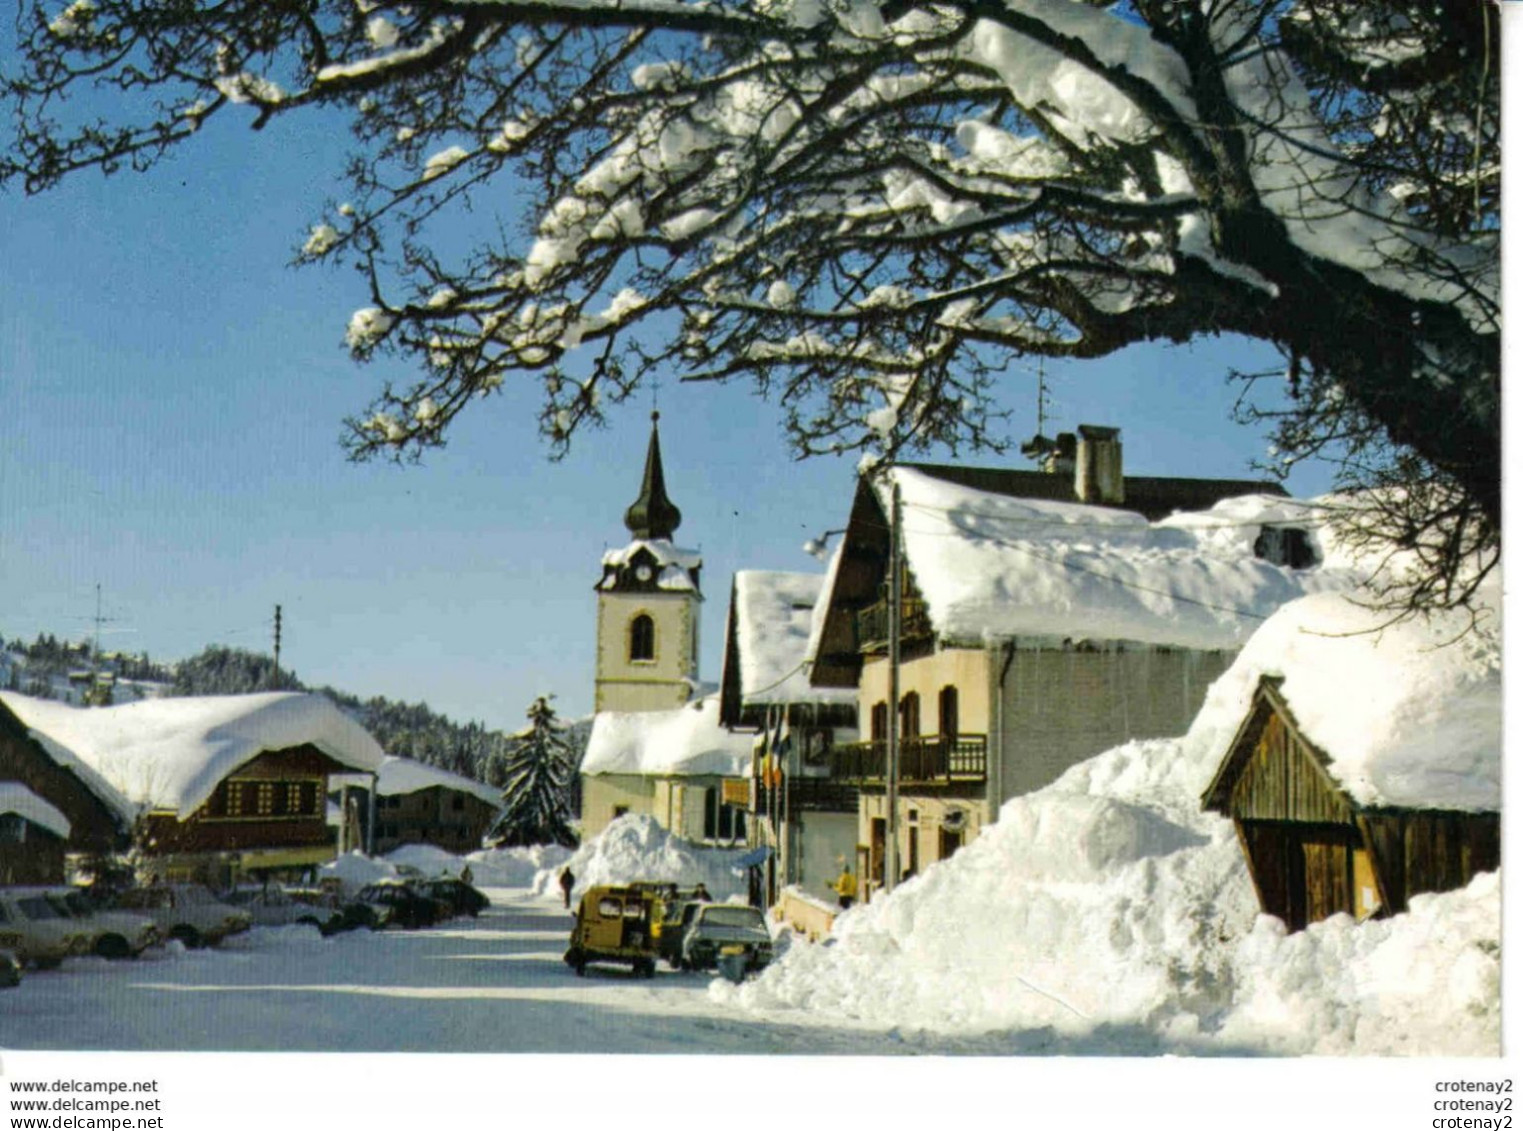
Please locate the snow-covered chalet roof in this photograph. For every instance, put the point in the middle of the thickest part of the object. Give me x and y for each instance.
(18, 799)
(684, 742)
(774, 615)
(408, 775)
(172, 753)
(674, 566)
(994, 565)
(1409, 714)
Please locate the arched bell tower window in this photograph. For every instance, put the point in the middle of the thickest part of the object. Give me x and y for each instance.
(642, 638)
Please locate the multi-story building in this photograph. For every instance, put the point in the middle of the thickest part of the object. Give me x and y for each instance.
(1044, 617)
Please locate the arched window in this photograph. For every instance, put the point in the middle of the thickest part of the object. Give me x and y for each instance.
(642, 638)
(878, 727)
(909, 714)
(946, 712)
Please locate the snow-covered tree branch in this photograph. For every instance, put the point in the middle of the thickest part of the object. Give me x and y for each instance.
(866, 209)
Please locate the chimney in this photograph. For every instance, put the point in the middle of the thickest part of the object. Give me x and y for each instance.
(1097, 470)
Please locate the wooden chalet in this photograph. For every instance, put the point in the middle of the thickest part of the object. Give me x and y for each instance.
(1312, 850)
(416, 803)
(95, 820)
(225, 787)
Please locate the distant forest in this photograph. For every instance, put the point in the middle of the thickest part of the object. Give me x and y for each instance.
(410, 730)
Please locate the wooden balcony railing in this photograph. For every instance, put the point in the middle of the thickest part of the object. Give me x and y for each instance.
(799, 794)
(872, 624)
(930, 760)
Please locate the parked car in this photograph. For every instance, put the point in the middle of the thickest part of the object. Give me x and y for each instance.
(10, 969)
(36, 930)
(115, 934)
(188, 912)
(616, 924)
(459, 896)
(715, 930)
(396, 903)
(273, 906)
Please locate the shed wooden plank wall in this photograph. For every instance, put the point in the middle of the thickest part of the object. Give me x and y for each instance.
(1430, 851)
(1283, 782)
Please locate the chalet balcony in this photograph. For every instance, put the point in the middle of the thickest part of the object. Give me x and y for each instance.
(872, 624)
(801, 794)
(931, 760)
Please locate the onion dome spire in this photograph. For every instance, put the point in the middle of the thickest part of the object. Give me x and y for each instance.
(653, 516)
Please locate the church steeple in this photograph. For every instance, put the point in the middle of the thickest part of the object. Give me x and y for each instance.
(653, 516)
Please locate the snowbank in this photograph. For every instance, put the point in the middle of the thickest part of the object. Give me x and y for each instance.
(1109, 906)
(354, 870)
(490, 867)
(636, 847)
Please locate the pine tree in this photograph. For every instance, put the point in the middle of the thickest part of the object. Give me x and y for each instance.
(536, 796)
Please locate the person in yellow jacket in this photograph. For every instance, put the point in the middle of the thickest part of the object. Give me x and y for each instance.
(845, 888)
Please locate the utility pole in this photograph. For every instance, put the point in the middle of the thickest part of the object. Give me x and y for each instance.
(277, 647)
(895, 608)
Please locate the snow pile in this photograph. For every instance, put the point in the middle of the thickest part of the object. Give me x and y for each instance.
(774, 612)
(636, 847)
(172, 753)
(1110, 906)
(988, 563)
(515, 867)
(1424, 983)
(686, 740)
(354, 870)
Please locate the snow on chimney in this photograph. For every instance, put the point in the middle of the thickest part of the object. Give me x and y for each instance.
(1097, 470)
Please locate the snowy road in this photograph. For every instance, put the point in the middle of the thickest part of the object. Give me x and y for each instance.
(493, 984)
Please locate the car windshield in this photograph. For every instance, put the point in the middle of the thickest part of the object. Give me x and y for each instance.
(193, 895)
(38, 907)
(733, 917)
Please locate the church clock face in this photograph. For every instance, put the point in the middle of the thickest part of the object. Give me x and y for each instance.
(643, 573)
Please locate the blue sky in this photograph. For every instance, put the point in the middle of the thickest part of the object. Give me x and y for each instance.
(174, 394)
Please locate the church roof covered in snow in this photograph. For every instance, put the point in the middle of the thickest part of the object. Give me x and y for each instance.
(1407, 713)
(17, 799)
(172, 753)
(683, 742)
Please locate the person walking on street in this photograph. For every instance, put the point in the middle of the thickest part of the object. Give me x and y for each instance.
(845, 888)
(567, 881)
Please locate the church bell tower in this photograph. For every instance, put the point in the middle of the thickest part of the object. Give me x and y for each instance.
(648, 604)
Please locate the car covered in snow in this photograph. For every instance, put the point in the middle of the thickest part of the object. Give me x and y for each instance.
(715, 930)
(114, 934)
(188, 912)
(36, 930)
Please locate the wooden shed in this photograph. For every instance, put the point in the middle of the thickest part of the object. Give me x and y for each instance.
(1312, 850)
